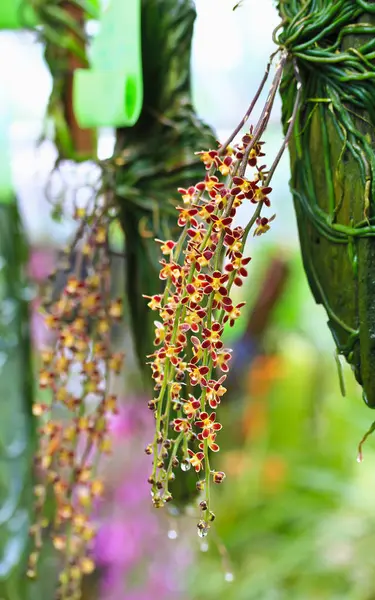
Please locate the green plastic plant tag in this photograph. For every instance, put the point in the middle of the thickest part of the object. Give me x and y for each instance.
(16, 14)
(111, 92)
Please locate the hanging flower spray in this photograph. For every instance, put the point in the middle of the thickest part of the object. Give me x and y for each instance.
(74, 429)
(199, 270)
(196, 305)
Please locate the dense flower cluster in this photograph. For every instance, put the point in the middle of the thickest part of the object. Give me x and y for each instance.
(74, 423)
(190, 363)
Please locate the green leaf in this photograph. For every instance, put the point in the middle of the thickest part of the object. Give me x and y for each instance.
(333, 168)
(16, 390)
(159, 155)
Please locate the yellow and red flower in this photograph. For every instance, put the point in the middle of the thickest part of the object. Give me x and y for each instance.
(197, 374)
(210, 442)
(207, 157)
(181, 425)
(233, 313)
(221, 358)
(215, 390)
(207, 423)
(196, 459)
(191, 407)
(261, 195)
(263, 225)
(212, 336)
(186, 215)
(188, 196)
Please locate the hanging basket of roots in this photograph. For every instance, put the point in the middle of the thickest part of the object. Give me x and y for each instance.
(332, 157)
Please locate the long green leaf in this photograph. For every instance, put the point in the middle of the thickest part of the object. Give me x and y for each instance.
(158, 153)
(16, 432)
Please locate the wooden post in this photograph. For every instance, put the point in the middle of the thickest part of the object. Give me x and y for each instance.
(84, 140)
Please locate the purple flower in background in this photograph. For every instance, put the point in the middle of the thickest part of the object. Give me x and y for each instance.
(41, 264)
(137, 559)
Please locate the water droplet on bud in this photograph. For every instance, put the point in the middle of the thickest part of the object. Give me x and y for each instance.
(359, 458)
(229, 577)
(203, 528)
(185, 465)
(202, 533)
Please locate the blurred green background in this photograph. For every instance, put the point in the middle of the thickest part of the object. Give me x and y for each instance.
(295, 516)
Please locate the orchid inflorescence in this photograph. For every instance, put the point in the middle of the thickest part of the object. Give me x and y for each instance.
(74, 428)
(194, 309)
(196, 305)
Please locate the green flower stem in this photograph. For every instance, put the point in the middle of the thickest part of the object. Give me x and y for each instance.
(266, 113)
(251, 107)
(176, 446)
(158, 416)
(180, 317)
(163, 411)
(168, 376)
(207, 484)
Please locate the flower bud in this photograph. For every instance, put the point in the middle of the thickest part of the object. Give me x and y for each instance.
(219, 477)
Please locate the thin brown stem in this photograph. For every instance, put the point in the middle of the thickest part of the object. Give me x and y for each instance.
(289, 132)
(251, 107)
(265, 116)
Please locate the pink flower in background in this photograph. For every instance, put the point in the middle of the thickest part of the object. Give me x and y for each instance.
(41, 264)
(135, 557)
(133, 551)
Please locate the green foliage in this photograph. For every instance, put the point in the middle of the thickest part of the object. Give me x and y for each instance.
(158, 154)
(16, 388)
(333, 165)
(296, 514)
